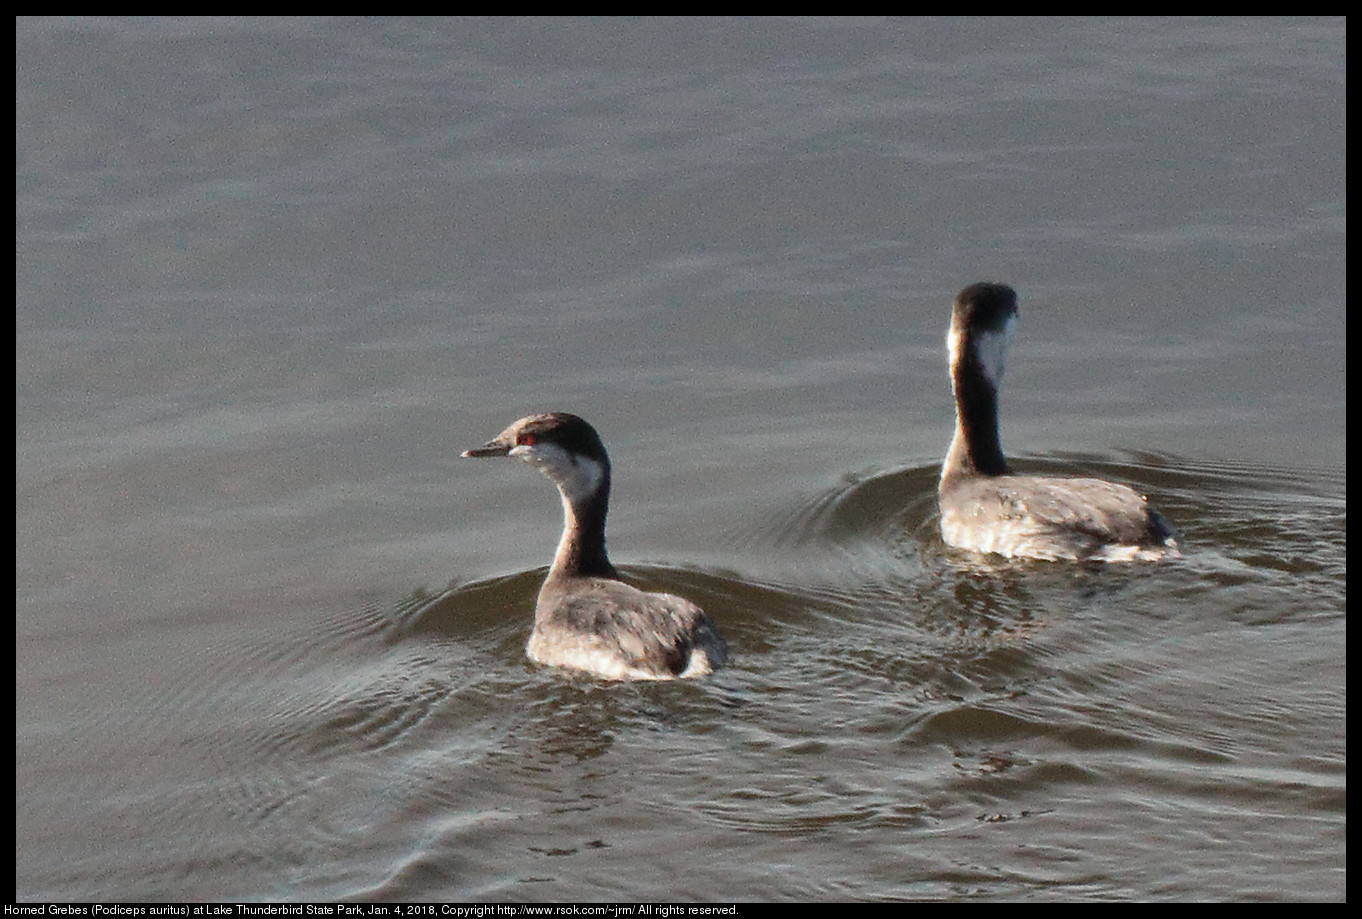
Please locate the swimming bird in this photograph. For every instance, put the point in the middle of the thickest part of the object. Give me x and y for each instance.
(586, 617)
(984, 506)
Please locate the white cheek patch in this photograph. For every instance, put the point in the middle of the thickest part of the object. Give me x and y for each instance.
(549, 459)
(583, 481)
(991, 350)
(577, 477)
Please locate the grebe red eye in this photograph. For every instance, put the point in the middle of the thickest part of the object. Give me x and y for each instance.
(525, 440)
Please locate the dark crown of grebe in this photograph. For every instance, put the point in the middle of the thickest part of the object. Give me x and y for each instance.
(984, 507)
(586, 617)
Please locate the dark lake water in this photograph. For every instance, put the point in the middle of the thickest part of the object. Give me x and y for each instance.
(272, 276)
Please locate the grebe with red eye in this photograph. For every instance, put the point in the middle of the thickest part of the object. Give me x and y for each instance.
(586, 618)
(984, 507)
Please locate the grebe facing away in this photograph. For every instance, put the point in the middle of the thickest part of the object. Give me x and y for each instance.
(984, 507)
(586, 618)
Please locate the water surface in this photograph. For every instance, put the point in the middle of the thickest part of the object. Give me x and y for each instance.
(272, 276)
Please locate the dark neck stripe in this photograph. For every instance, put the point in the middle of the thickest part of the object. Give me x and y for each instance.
(585, 553)
(976, 405)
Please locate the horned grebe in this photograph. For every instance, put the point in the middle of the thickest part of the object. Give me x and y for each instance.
(586, 618)
(984, 507)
